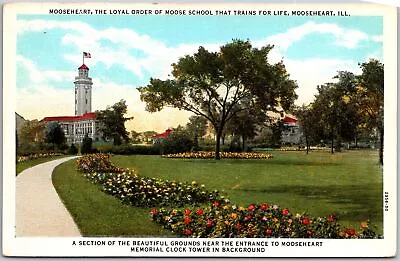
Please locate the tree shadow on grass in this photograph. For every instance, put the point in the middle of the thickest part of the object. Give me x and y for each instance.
(357, 201)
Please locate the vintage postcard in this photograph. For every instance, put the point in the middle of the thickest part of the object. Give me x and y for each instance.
(199, 130)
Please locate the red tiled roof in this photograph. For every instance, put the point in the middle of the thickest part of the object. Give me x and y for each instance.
(162, 135)
(83, 66)
(289, 120)
(86, 116)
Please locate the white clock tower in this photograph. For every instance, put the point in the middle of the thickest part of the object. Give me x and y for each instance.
(83, 91)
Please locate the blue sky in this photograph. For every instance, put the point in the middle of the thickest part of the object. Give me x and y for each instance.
(128, 50)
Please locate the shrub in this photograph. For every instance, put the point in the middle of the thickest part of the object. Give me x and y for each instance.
(73, 150)
(97, 163)
(128, 149)
(86, 146)
(227, 221)
(176, 142)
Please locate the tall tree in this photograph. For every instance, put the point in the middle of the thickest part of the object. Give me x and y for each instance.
(112, 122)
(212, 84)
(55, 134)
(370, 95)
(245, 124)
(308, 120)
(32, 132)
(196, 127)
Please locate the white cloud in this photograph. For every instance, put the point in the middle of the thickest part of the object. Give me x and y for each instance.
(345, 37)
(313, 72)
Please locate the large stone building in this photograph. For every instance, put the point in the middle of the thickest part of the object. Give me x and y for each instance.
(84, 122)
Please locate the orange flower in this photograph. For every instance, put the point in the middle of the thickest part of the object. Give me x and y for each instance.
(275, 219)
(187, 212)
(234, 215)
(364, 224)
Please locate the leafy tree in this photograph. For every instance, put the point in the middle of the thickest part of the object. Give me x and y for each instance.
(307, 118)
(134, 135)
(213, 84)
(55, 134)
(179, 140)
(147, 136)
(196, 127)
(32, 132)
(370, 96)
(112, 122)
(245, 124)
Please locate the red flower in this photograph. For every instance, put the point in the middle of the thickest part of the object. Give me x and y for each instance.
(199, 212)
(285, 212)
(309, 232)
(331, 218)
(154, 211)
(350, 232)
(186, 220)
(268, 231)
(210, 223)
(306, 221)
(264, 206)
(187, 212)
(216, 204)
(188, 232)
(238, 226)
(251, 207)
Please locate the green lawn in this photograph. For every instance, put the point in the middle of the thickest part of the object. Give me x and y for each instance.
(21, 166)
(99, 214)
(348, 184)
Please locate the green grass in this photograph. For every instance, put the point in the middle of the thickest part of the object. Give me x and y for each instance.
(21, 166)
(349, 184)
(99, 214)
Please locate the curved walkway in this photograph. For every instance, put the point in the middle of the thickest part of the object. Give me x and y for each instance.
(39, 210)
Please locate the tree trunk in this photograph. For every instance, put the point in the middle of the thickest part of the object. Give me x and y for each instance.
(307, 144)
(243, 142)
(356, 141)
(381, 137)
(332, 140)
(223, 139)
(217, 145)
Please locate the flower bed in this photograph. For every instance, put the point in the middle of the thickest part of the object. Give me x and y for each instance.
(37, 156)
(132, 189)
(229, 221)
(211, 155)
(99, 162)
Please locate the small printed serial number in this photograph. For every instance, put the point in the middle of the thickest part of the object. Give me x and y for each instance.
(386, 201)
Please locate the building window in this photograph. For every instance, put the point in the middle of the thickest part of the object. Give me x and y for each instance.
(86, 101)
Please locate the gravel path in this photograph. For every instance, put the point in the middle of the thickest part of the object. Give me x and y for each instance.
(39, 210)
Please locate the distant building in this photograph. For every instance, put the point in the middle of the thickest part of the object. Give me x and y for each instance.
(84, 122)
(291, 133)
(19, 122)
(160, 137)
